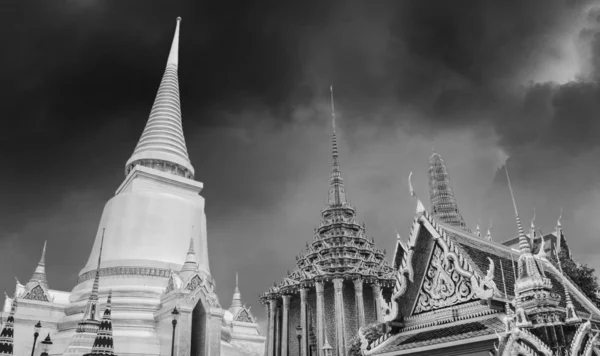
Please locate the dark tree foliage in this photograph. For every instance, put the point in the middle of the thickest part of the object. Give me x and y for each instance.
(582, 275)
(372, 332)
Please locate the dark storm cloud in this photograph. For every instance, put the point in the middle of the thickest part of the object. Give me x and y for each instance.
(79, 78)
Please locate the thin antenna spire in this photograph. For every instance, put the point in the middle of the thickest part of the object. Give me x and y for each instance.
(523, 243)
(332, 108)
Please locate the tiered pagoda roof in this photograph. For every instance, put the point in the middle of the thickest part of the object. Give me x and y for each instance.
(340, 248)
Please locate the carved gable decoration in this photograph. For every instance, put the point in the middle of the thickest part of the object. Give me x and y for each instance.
(37, 293)
(194, 283)
(442, 285)
(244, 317)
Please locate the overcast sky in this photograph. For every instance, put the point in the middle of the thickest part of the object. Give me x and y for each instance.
(478, 80)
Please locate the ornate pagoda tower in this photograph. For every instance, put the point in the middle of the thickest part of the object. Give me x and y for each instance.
(443, 203)
(336, 285)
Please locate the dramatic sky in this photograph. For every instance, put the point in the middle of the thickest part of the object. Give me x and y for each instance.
(479, 80)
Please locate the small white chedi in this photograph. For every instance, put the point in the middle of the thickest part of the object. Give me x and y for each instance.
(151, 253)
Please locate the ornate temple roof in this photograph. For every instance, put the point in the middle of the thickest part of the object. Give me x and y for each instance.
(340, 248)
(162, 140)
(443, 203)
(472, 289)
(37, 287)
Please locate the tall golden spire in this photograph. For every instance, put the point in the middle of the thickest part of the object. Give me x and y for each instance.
(337, 194)
(162, 144)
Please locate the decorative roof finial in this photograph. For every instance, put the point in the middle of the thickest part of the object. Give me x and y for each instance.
(523, 243)
(236, 301)
(542, 251)
(571, 316)
(559, 232)
(489, 232)
(478, 231)
(420, 207)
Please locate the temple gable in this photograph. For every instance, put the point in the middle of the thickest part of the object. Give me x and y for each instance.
(442, 285)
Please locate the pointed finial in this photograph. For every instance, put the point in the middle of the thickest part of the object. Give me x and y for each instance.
(489, 232)
(174, 54)
(237, 289)
(191, 249)
(542, 252)
(420, 207)
(332, 108)
(533, 220)
(523, 243)
(558, 224)
(478, 231)
(43, 259)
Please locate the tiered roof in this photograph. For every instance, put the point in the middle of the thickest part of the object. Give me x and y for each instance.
(340, 248)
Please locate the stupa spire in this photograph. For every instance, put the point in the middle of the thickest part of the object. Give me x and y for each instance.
(162, 144)
(237, 296)
(39, 275)
(7, 335)
(337, 194)
(92, 304)
(103, 344)
(190, 267)
(441, 195)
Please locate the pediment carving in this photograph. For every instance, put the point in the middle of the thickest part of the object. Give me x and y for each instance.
(37, 293)
(442, 285)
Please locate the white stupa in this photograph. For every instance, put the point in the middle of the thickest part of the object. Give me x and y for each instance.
(150, 252)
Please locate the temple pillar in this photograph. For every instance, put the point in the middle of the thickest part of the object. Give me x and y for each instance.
(376, 293)
(320, 286)
(214, 332)
(284, 327)
(338, 284)
(268, 312)
(360, 305)
(303, 306)
(271, 337)
(277, 331)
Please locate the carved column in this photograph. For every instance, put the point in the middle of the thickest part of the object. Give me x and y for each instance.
(303, 305)
(360, 304)
(320, 286)
(278, 331)
(272, 306)
(284, 327)
(266, 353)
(338, 283)
(376, 293)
